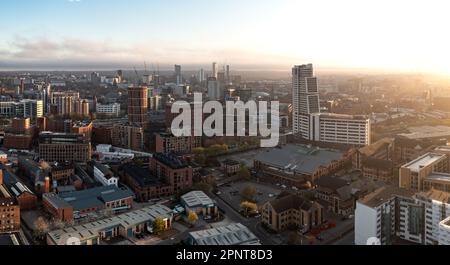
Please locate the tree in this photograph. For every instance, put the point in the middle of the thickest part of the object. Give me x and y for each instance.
(159, 226)
(41, 226)
(203, 186)
(192, 217)
(248, 192)
(244, 173)
(249, 207)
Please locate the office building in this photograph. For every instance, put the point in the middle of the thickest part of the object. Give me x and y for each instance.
(137, 106)
(103, 174)
(62, 147)
(178, 76)
(112, 110)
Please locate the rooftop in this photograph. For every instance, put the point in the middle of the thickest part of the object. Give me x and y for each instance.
(234, 234)
(170, 160)
(423, 161)
(141, 175)
(127, 220)
(196, 198)
(384, 194)
(299, 158)
(436, 176)
(90, 198)
(435, 195)
(292, 201)
(370, 150)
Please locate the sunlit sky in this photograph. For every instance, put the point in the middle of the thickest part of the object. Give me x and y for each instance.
(273, 34)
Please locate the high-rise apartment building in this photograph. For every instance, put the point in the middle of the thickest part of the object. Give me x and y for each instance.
(137, 106)
(312, 125)
(215, 70)
(178, 77)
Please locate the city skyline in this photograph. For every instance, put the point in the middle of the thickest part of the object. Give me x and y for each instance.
(96, 34)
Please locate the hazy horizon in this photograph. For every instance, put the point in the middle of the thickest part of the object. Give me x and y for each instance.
(249, 35)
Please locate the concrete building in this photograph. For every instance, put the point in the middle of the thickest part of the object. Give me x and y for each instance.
(444, 232)
(65, 101)
(312, 125)
(291, 210)
(68, 206)
(127, 225)
(215, 90)
(108, 109)
(416, 173)
(233, 234)
(376, 214)
(200, 203)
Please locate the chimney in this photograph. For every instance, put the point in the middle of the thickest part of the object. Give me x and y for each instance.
(1, 177)
(47, 185)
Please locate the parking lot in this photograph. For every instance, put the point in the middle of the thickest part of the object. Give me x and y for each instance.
(231, 193)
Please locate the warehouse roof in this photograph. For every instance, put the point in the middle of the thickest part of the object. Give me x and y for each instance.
(234, 234)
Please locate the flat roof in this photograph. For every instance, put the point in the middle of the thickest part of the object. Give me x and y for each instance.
(435, 195)
(436, 176)
(384, 194)
(234, 234)
(196, 198)
(423, 161)
(127, 220)
(299, 158)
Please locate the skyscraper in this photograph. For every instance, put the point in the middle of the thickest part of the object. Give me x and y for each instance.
(178, 74)
(137, 105)
(305, 93)
(201, 75)
(215, 70)
(228, 77)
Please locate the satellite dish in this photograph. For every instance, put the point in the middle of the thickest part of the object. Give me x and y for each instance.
(73, 241)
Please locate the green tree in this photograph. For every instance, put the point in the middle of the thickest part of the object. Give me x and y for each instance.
(248, 192)
(159, 226)
(42, 227)
(244, 173)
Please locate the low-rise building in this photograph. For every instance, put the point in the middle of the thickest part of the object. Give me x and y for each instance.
(289, 211)
(127, 225)
(108, 109)
(293, 165)
(234, 234)
(200, 203)
(103, 174)
(25, 197)
(78, 204)
(444, 232)
(378, 169)
(62, 147)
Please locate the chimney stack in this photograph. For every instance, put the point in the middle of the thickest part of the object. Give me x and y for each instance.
(47, 185)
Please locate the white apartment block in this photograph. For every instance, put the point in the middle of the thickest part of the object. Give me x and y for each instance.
(444, 232)
(108, 109)
(312, 125)
(390, 212)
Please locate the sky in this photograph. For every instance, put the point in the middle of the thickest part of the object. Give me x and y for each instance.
(385, 35)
